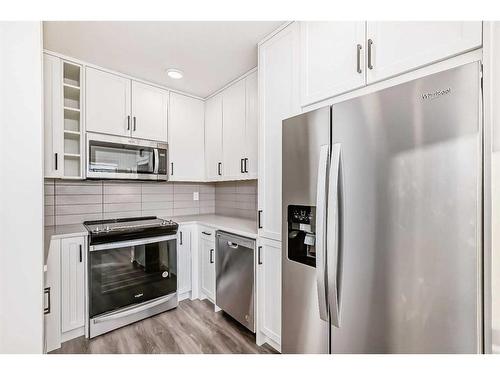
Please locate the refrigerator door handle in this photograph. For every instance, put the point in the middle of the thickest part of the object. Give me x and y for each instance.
(334, 240)
(321, 216)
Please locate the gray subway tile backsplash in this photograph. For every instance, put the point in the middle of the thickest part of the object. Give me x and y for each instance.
(72, 202)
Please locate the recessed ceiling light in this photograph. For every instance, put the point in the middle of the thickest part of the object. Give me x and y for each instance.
(175, 73)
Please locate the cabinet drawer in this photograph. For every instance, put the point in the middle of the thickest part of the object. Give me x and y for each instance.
(207, 234)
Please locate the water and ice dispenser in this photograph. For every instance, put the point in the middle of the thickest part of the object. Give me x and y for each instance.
(301, 234)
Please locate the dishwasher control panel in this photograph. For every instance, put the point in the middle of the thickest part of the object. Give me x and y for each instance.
(301, 234)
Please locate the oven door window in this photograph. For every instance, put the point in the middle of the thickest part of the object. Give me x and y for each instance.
(132, 274)
(117, 158)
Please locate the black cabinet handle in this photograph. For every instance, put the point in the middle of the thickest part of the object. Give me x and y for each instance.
(47, 309)
(211, 255)
(135, 122)
(181, 237)
(56, 161)
(259, 250)
(246, 165)
(80, 253)
(258, 219)
(206, 233)
(171, 169)
(219, 172)
(241, 166)
(128, 122)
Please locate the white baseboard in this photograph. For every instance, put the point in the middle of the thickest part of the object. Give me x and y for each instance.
(183, 296)
(73, 334)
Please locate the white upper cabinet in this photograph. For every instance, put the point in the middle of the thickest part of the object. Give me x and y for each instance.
(107, 99)
(331, 59)
(53, 116)
(251, 126)
(233, 119)
(231, 125)
(213, 138)
(397, 47)
(278, 100)
(149, 112)
(186, 139)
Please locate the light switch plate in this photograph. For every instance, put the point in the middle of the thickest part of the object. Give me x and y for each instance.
(196, 196)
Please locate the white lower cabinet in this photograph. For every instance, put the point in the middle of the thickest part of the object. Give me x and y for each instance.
(52, 298)
(64, 291)
(184, 280)
(268, 278)
(207, 262)
(72, 283)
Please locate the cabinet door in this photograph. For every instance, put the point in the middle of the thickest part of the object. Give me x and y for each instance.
(208, 268)
(53, 117)
(52, 318)
(398, 47)
(269, 289)
(149, 112)
(251, 125)
(233, 119)
(278, 100)
(73, 283)
(213, 137)
(186, 138)
(183, 260)
(331, 59)
(107, 103)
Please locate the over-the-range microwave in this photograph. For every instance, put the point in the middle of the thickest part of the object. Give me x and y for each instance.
(125, 158)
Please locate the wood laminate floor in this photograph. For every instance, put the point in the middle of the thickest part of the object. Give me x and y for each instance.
(193, 327)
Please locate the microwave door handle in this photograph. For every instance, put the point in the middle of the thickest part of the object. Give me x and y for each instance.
(156, 161)
(334, 231)
(321, 216)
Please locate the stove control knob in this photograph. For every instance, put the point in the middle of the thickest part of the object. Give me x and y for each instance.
(164, 222)
(107, 229)
(97, 230)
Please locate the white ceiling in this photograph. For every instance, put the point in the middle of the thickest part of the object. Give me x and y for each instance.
(210, 53)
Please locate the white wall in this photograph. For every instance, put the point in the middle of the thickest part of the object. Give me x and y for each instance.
(21, 188)
(492, 123)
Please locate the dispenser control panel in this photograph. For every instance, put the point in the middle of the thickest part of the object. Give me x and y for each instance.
(301, 234)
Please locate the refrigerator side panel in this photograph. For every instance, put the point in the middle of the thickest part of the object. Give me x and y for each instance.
(303, 137)
(411, 233)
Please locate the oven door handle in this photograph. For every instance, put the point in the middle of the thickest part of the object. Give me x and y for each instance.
(133, 309)
(142, 241)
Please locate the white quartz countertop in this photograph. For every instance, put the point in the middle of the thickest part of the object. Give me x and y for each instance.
(235, 225)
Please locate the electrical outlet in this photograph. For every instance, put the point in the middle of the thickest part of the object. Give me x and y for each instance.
(196, 196)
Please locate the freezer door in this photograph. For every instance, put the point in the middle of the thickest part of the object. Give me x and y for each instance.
(408, 219)
(305, 321)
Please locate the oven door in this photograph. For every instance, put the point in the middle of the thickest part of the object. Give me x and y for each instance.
(125, 158)
(131, 272)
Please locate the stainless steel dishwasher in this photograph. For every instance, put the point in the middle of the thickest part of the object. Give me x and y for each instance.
(234, 269)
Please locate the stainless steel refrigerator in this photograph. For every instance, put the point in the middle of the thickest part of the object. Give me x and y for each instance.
(382, 221)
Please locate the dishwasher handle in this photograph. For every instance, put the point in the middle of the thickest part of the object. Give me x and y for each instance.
(232, 245)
